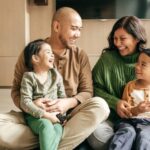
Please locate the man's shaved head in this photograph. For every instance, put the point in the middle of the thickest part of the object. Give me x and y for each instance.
(64, 13)
(66, 26)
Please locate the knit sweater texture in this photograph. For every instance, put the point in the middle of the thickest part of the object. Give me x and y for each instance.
(110, 75)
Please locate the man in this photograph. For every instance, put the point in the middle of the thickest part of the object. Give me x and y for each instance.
(85, 112)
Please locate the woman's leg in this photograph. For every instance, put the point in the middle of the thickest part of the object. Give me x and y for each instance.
(100, 137)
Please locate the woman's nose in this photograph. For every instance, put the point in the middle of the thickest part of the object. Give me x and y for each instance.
(117, 42)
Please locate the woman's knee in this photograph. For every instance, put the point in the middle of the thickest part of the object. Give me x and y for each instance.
(102, 105)
(100, 137)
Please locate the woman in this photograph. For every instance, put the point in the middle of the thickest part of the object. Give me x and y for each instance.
(113, 70)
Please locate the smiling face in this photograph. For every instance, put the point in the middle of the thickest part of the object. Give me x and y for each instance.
(70, 30)
(45, 57)
(142, 68)
(125, 42)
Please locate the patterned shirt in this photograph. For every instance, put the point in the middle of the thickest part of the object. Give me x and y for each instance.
(32, 89)
(134, 96)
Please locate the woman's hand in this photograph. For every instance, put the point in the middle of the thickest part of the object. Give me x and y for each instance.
(123, 109)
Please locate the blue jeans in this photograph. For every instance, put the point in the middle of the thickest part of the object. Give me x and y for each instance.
(131, 134)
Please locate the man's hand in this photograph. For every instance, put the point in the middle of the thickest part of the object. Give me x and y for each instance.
(42, 103)
(61, 105)
(123, 109)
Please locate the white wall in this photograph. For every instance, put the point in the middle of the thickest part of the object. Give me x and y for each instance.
(14, 33)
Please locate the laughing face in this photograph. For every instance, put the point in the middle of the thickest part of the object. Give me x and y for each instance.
(142, 68)
(46, 57)
(125, 42)
(70, 31)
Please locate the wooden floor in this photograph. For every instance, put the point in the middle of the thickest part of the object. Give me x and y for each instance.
(6, 103)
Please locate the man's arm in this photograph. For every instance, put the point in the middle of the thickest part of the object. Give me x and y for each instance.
(85, 87)
(18, 73)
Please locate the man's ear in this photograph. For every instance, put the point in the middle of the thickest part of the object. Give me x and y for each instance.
(56, 26)
(35, 58)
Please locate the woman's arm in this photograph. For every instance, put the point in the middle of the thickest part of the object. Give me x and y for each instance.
(103, 80)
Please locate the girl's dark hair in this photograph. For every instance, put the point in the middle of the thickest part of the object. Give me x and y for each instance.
(145, 51)
(133, 26)
(31, 49)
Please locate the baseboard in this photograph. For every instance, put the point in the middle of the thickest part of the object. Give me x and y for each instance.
(5, 87)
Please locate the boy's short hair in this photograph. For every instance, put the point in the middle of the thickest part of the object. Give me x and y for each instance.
(31, 49)
(146, 51)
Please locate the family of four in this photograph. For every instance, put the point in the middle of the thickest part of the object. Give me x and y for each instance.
(53, 86)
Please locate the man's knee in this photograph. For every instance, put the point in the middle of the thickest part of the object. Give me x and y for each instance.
(13, 131)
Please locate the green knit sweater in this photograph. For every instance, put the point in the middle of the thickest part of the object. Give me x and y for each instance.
(110, 74)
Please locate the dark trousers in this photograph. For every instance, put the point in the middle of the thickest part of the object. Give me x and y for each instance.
(131, 134)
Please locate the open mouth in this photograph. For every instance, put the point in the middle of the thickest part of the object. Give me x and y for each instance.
(121, 48)
(51, 61)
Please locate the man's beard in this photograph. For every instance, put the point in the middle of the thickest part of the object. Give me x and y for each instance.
(65, 43)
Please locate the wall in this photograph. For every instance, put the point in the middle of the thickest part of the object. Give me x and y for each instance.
(94, 33)
(22, 21)
(14, 34)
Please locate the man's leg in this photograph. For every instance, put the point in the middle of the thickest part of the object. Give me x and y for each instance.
(84, 120)
(100, 137)
(15, 134)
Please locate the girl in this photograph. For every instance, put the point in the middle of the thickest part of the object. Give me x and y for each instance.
(42, 81)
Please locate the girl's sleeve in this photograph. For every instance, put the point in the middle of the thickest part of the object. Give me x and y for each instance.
(26, 102)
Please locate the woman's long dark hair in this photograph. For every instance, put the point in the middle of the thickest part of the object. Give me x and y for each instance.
(133, 26)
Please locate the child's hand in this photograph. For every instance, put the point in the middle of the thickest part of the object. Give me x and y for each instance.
(141, 108)
(52, 117)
